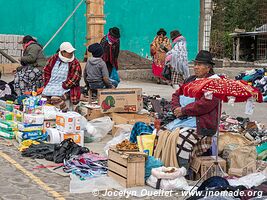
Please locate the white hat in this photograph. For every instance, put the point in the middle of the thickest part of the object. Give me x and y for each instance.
(66, 46)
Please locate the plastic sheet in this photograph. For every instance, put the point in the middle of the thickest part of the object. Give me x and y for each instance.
(123, 133)
(92, 184)
(99, 128)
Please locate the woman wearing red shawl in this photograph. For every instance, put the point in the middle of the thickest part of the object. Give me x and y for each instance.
(111, 47)
(158, 48)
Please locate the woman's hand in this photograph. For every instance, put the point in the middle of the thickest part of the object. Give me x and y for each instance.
(178, 112)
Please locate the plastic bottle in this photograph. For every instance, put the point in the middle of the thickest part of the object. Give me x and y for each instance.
(9, 106)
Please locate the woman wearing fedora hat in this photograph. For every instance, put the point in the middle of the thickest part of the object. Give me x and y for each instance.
(158, 48)
(177, 59)
(202, 113)
(111, 47)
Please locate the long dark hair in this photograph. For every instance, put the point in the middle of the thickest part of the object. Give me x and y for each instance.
(211, 71)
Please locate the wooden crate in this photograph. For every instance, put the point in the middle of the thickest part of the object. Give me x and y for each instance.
(128, 168)
(201, 164)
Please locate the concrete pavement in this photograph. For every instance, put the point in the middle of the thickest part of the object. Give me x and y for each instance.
(15, 184)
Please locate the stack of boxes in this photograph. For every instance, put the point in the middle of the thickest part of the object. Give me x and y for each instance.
(31, 128)
(8, 129)
(22, 125)
(69, 126)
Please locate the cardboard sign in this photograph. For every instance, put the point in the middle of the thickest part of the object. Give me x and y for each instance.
(128, 118)
(120, 100)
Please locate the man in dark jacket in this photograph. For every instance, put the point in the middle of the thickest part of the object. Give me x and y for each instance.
(205, 111)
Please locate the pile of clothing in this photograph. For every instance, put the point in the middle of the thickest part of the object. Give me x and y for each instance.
(250, 129)
(160, 107)
(257, 78)
(55, 152)
(237, 189)
(88, 165)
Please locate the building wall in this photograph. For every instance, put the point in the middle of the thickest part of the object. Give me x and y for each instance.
(138, 20)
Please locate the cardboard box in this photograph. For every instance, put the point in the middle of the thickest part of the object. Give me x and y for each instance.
(249, 169)
(90, 113)
(120, 100)
(127, 168)
(94, 113)
(127, 118)
(78, 138)
(69, 122)
(201, 164)
(49, 124)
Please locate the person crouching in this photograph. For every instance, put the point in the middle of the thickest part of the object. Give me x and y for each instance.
(62, 76)
(96, 74)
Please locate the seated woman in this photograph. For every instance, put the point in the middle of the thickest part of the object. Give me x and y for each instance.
(197, 118)
(29, 76)
(62, 76)
(96, 74)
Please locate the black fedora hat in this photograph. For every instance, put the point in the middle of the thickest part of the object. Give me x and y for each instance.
(161, 31)
(204, 56)
(174, 34)
(115, 32)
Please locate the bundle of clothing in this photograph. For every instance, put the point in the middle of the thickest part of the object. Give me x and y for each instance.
(222, 185)
(258, 79)
(160, 107)
(88, 165)
(252, 130)
(55, 152)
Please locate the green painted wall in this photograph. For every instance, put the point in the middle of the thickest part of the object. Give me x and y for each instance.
(138, 20)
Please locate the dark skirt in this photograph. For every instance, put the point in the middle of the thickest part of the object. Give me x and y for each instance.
(28, 79)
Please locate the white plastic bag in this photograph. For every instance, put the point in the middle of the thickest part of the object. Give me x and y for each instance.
(50, 112)
(123, 132)
(168, 184)
(250, 180)
(83, 123)
(99, 128)
(169, 181)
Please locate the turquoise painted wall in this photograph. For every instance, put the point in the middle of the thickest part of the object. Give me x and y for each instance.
(138, 20)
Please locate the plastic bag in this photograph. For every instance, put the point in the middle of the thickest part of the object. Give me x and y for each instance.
(151, 163)
(169, 184)
(146, 143)
(99, 128)
(50, 112)
(166, 72)
(114, 75)
(83, 123)
(123, 132)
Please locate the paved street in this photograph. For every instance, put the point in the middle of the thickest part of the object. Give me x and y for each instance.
(17, 184)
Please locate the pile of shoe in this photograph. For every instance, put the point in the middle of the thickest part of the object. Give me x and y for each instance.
(256, 78)
(252, 130)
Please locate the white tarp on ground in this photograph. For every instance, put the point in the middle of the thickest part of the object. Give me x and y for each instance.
(93, 184)
(105, 183)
